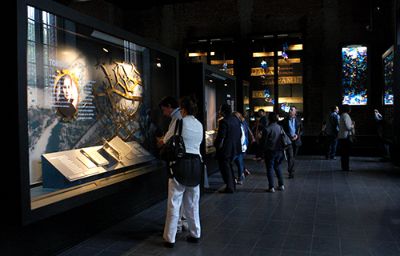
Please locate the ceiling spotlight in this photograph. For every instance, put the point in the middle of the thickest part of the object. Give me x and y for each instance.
(105, 49)
(225, 84)
(158, 64)
(211, 80)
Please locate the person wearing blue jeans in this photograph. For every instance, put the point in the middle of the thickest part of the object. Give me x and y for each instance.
(238, 160)
(273, 152)
(245, 138)
(273, 160)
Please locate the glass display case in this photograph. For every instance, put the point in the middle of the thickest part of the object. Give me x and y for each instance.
(217, 52)
(212, 88)
(277, 72)
(388, 70)
(354, 75)
(290, 73)
(91, 93)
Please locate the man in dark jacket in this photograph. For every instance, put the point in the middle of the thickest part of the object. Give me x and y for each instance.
(273, 152)
(293, 127)
(228, 145)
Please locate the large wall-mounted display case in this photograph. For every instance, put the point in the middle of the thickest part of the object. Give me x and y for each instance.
(212, 88)
(276, 75)
(388, 70)
(355, 75)
(88, 97)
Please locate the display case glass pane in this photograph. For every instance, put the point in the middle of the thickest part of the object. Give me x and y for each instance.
(219, 88)
(215, 52)
(86, 90)
(388, 69)
(262, 74)
(222, 55)
(354, 75)
(290, 73)
(197, 51)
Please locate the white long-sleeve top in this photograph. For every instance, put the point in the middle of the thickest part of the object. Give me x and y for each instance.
(345, 126)
(192, 133)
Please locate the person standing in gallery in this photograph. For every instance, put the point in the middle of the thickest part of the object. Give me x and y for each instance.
(245, 139)
(293, 127)
(346, 131)
(228, 145)
(332, 130)
(273, 152)
(261, 124)
(178, 192)
(170, 108)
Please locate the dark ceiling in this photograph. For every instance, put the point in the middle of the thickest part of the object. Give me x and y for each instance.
(132, 4)
(146, 4)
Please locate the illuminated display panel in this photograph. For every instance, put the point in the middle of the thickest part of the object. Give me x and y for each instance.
(388, 69)
(277, 72)
(83, 86)
(354, 75)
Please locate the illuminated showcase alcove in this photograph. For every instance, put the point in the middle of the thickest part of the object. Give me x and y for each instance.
(354, 75)
(91, 93)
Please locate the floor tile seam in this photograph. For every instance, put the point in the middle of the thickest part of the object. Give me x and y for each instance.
(352, 194)
(398, 244)
(227, 243)
(254, 246)
(315, 209)
(390, 197)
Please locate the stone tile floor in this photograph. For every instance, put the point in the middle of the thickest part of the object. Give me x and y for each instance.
(323, 211)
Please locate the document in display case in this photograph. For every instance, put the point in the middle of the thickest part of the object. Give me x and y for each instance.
(77, 166)
(117, 148)
(94, 156)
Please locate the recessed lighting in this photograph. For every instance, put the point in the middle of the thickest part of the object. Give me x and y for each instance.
(211, 80)
(158, 64)
(225, 84)
(105, 49)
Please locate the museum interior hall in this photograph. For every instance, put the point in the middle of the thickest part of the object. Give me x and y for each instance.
(203, 127)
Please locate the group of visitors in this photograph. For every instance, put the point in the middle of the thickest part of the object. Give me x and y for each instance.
(233, 139)
(340, 133)
(268, 142)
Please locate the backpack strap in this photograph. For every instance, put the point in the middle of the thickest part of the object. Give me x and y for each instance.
(177, 123)
(180, 124)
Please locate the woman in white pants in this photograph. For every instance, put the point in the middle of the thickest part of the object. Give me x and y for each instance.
(192, 133)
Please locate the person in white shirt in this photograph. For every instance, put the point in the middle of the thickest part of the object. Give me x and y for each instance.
(170, 108)
(346, 129)
(192, 133)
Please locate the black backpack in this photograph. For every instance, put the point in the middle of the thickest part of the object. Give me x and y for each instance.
(174, 149)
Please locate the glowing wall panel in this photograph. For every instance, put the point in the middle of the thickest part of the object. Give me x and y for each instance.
(354, 75)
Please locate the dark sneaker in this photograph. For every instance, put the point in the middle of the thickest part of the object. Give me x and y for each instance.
(169, 245)
(192, 239)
